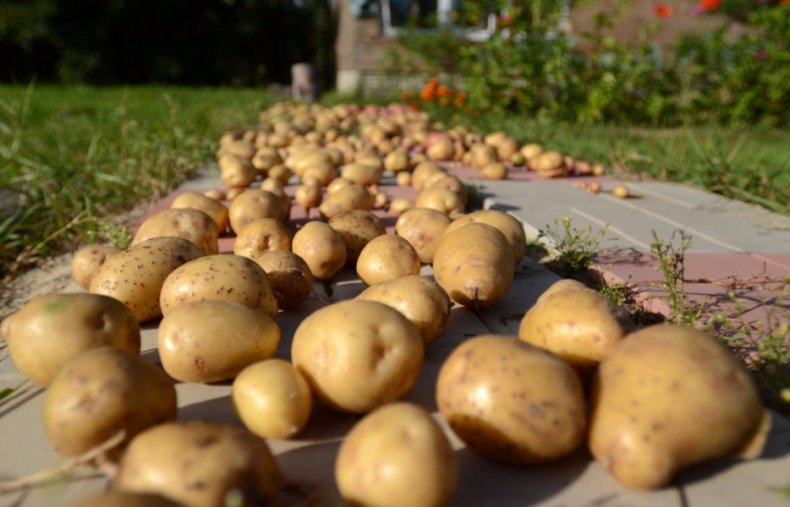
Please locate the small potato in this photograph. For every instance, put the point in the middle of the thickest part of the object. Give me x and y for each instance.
(346, 198)
(236, 172)
(101, 392)
(621, 191)
(216, 194)
(120, 499)
(211, 207)
(494, 171)
(505, 223)
(422, 171)
(450, 182)
(198, 464)
(399, 205)
(262, 235)
(423, 228)
(418, 298)
(403, 439)
(209, 341)
(233, 193)
(510, 401)
(397, 161)
(272, 184)
(272, 399)
(322, 248)
(309, 196)
(358, 355)
(289, 275)
(336, 184)
(189, 224)
(241, 148)
(403, 179)
(386, 258)
(219, 278)
(362, 174)
(440, 199)
(135, 276)
(51, 330)
(252, 205)
(357, 228)
(88, 260)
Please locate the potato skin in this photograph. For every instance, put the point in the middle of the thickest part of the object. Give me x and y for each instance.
(51, 330)
(510, 401)
(260, 236)
(505, 223)
(211, 207)
(219, 278)
(88, 260)
(189, 224)
(667, 397)
(402, 438)
(322, 248)
(289, 275)
(101, 392)
(209, 341)
(357, 228)
(357, 355)
(135, 276)
(386, 258)
(423, 228)
(474, 265)
(253, 204)
(121, 499)
(197, 464)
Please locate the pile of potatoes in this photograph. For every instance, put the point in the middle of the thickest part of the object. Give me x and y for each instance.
(577, 371)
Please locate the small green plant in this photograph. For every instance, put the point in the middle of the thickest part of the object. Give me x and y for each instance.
(672, 262)
(577, 248)
(8, 391)
(624, 295)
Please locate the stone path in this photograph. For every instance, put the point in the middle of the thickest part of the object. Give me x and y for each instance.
(730, 239)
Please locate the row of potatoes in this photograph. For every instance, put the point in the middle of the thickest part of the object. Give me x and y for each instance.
(515, 399)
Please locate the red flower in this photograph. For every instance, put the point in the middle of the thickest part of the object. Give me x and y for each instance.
(405, 95)
(710, 5)
(663, 10)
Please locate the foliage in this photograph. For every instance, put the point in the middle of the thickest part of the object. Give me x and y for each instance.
(577, 247)
(671, 261)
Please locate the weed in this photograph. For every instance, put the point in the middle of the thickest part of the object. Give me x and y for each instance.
(671, 259)
(8, 391)
(576, 248)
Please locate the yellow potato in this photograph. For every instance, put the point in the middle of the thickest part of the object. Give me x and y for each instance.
(403, 440)
(418, 298)
(386, 258)
(440, 199)
(189, 224)
(482, 155)
(289, 275)
(397, 161)
(559, 286)
(336, 184)
(253, 204)
(345, 198)
(272, 399)
(88, 260)
(51, 330)
(135, 276)
(101, 392)
(494, 171)
(262, 235)
(321, 174)
(198, 464)
(362, 173)
(450, 182)
(510, 401)
(423, 228)
(474, 265)
(357, 228)
(236, 172)
(667, 397)
(322, 249)
(422, 171)
(209, 341)
(357, 355)
(219, 278)
(399, 206)
(211, 207)
(505, 223)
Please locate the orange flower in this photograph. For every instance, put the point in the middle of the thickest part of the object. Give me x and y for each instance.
(443, 101)
(405, 95)
(663, 10)
(460, 98)
(427, 94)
(443, 91)
(710, 5)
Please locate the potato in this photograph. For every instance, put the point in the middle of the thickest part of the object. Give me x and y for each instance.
(321, 174)
(272, 399)
(450, 182)
(421, 173)
(346, 198)
(240, 148)
(121, 499)
(216, 194)
(494, 171)
(482, 155)
(418, 298)
(403, 440)
(198, 464)
(357, 355)
(667, 397)
(189, 224)
(101, 392)
(531, 151)
(322, 249)
(357, 228)
(403, 179)
(386, 258)
(423, 228)
(254, 204)
(474, 265)
(88, 260)
(51, 330)
(397, 161)
(441, 149)
(233, 193)
(505, 223)
(362, 173)
(236, 172)
(440, 199)
(219, 278)
(336, 184)
(510, 401)
(135, 276)
(309, 196)
(579, 325)
(289, 276)
(400, 205)
(209, 341)
(211, 207)
(262, 235)
(559, 286)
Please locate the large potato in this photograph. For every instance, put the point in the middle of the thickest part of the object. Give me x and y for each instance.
(189, 224)
(357, 355)
(272, 399)
(289, 275)
(262, 235)
(510, 401)
(101, 392)
(418, 298)
(209, 341)
(51, 330)
(322, 248)
(403, 439)
(357, 228)
(219, 278)
(211, 207)
(253, 204)
(88, 260)
(135, 276)
(667, 397)
(386, 258)
(579, 325)
(505, 223)
(423, 228)
(198, 464)
(474, 265)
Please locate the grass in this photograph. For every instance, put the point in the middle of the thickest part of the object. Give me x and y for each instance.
(73, 157)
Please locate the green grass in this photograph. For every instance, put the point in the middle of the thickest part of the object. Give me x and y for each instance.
(77, 155)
